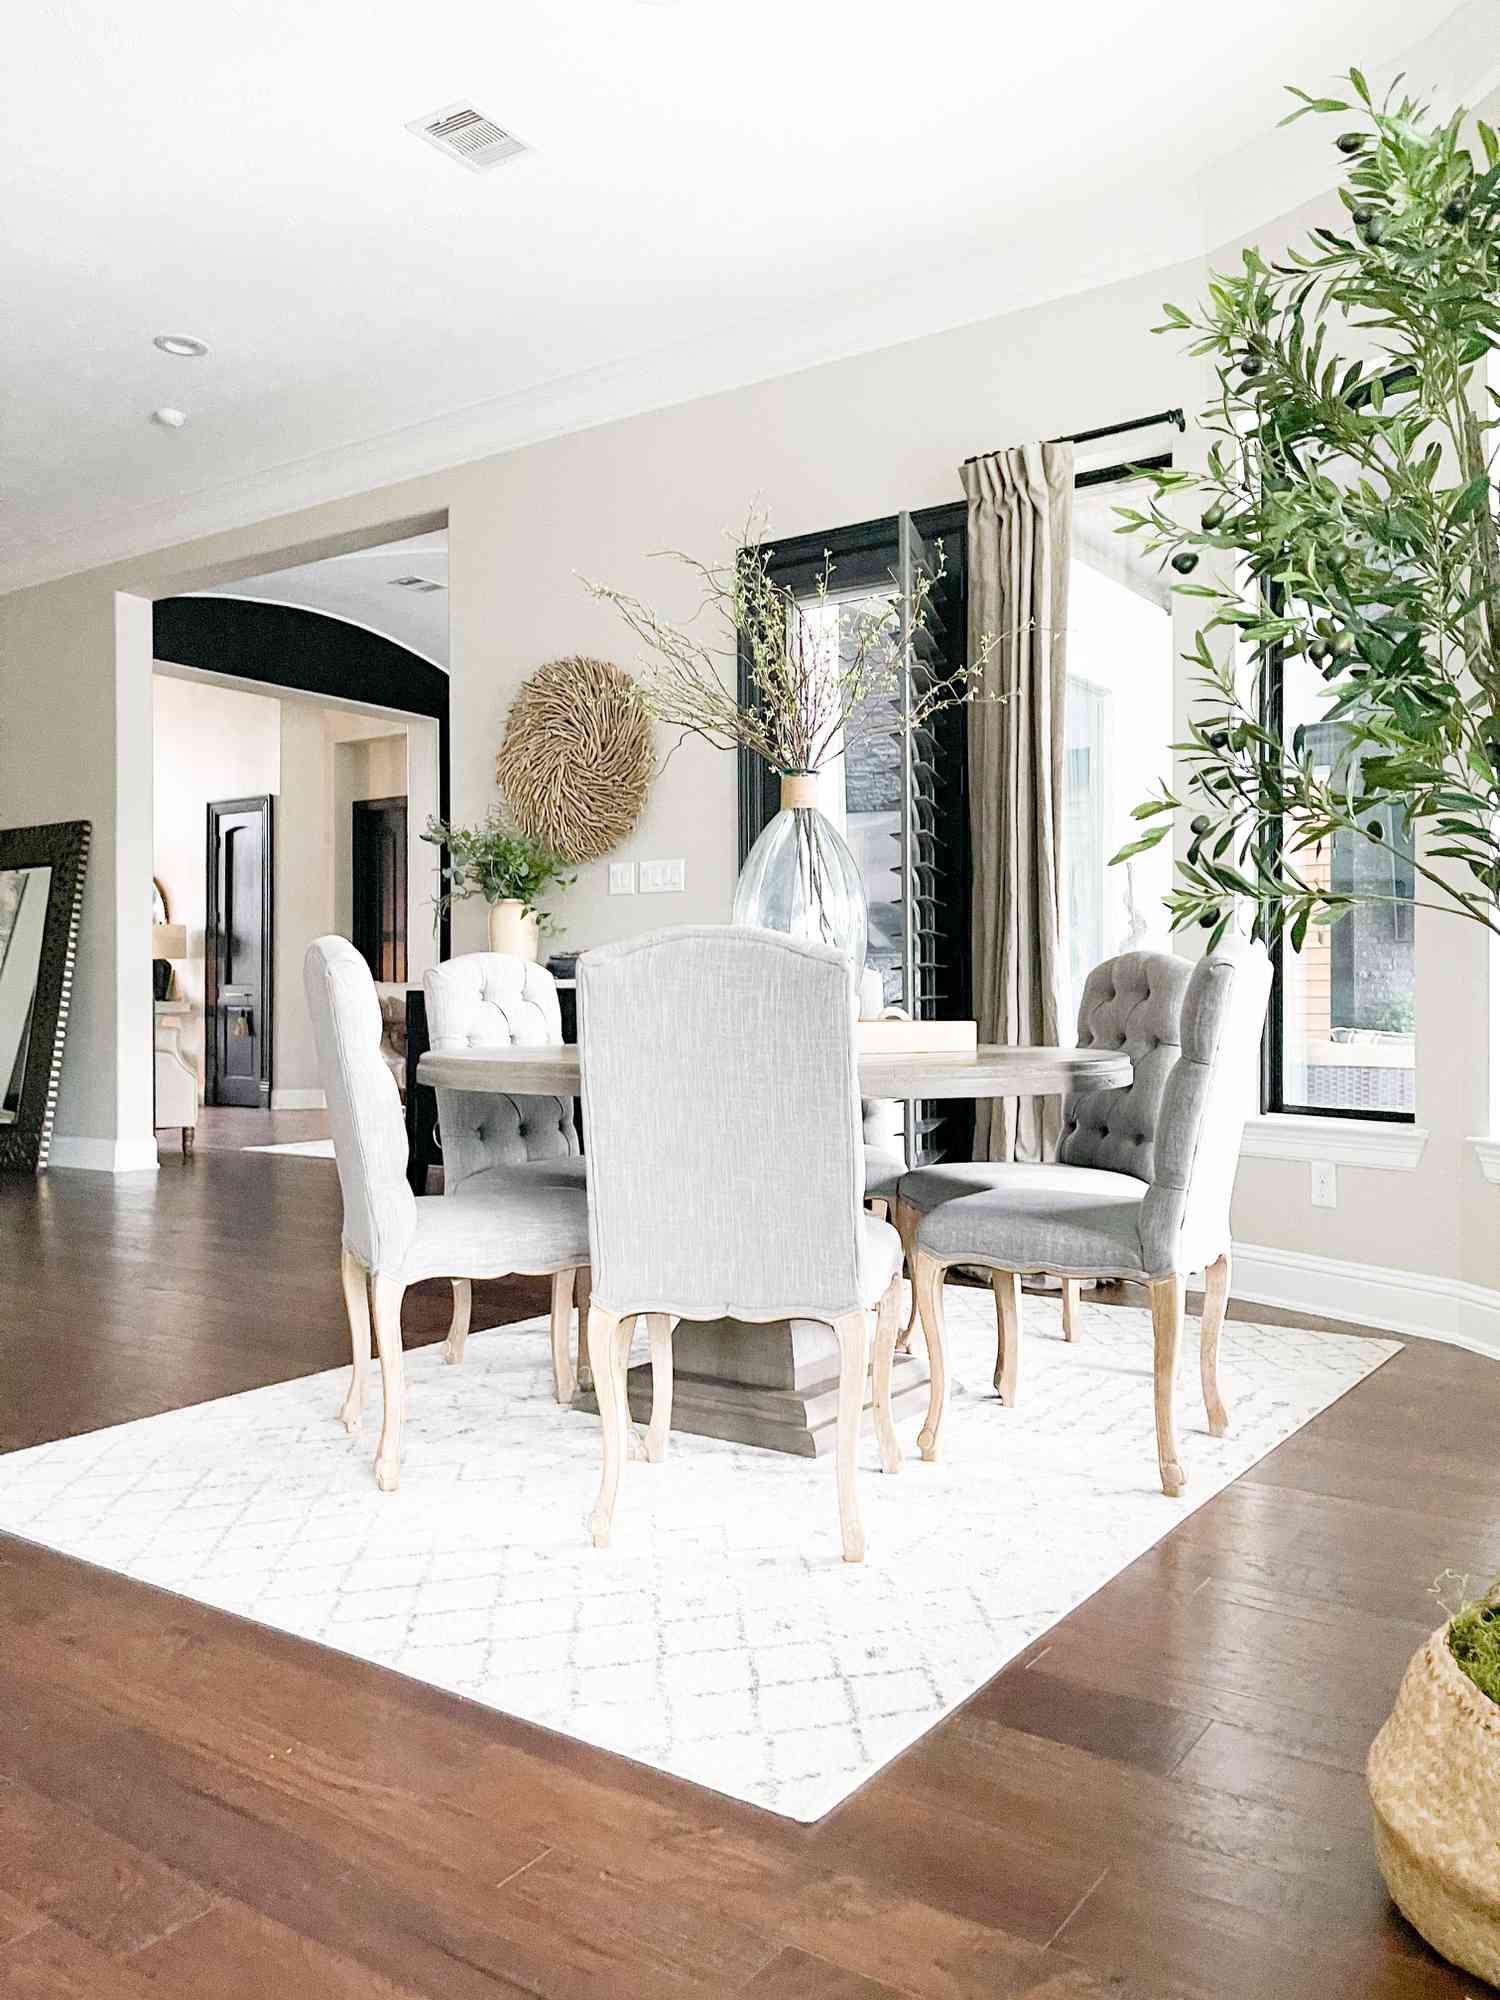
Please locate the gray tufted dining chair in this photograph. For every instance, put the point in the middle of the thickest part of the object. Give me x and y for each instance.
(726, 1169)
(393, 1238)
(1142, 1182)
(488, 1000)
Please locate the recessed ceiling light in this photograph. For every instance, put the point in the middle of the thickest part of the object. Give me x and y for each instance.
(171, 420)
(419, 583)
(182, 344)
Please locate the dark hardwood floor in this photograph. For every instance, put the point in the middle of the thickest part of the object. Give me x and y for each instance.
(1161, 1800)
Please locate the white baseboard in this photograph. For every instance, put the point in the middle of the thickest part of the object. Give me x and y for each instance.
(1411, 1302)
(105, 1156)
(298, 1100)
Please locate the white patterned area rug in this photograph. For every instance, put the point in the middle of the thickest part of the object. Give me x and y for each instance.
(720, 1637)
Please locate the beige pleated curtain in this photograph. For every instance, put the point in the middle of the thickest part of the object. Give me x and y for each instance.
(1020, 527)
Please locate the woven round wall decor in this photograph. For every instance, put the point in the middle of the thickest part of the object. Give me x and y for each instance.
(577, 758)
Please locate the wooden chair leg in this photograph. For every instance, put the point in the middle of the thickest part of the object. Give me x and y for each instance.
(927, 1278)
(906, 1219)
(659, 1327)
(583, 1286)
(563, 1379)
(1166, 1325)
(879, 1207)
(887, 1326)
(458, 1331)
(357, 1305)
(609, 1353)
(1215, 1302)
(1006, 1285)
(853, 1338)
(1071, 1308)
(389, 1293)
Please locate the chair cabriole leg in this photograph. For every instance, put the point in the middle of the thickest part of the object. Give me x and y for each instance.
(583, 1287)
(388, 1294)
(905, 1219)
(927, 1278)
(887, 1326)
(1215, 1302)
(1006, 1285)
(1166, 1326)
(1071, 1298)
(458, 1331)
(357, 1305)
(609, 1351)
(563, 1380)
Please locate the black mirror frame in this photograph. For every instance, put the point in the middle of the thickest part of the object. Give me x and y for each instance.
(64, 848)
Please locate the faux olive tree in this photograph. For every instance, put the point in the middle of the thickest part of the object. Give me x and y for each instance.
(1348, 504)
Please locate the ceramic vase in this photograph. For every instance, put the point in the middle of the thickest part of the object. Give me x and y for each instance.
(513, 929)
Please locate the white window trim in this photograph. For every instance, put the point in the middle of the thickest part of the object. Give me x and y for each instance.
(1487, 1151)
(1345, 1142)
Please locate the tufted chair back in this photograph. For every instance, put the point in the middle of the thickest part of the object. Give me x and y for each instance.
(1185, 1216)
(1133, 1002)
(364, 1106)
(726, 1165)
(486, 1000)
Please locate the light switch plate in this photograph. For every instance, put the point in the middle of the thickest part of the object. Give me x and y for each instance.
(622, 878)
(1325, 1184)
(663, 878)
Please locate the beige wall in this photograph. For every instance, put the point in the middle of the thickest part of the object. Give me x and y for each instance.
(304, 891)
(845, 442)
(209, 743)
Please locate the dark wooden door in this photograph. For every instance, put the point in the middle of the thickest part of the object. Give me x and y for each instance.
(379, 904)
(237, 953)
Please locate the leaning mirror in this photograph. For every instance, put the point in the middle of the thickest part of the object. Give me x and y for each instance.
(41, 899)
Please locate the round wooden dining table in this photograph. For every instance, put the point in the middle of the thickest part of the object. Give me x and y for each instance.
(776, 1384)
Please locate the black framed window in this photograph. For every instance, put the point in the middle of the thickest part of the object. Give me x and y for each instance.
(865, 559)
(1341, 1029)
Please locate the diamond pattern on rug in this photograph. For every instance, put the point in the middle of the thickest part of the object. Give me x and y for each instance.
(720, 1637)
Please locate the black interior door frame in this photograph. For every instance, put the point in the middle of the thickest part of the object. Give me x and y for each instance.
(379, 863)
(216, 994)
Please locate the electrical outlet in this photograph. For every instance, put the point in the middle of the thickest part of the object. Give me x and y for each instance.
(622, 878)
(1325, 1184)
(660, 878)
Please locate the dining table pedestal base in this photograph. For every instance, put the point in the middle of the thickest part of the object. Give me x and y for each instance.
(772, 1384)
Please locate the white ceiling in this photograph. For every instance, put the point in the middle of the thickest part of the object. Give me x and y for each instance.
(361, 588)
(715, 193)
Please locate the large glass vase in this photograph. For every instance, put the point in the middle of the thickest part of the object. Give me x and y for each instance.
(801, 878)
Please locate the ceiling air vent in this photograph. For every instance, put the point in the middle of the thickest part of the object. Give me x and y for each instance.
(420, 583)
(467, 136)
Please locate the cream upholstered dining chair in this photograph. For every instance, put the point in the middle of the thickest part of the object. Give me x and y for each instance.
(1142, 1181)
(393, 1238)
(726, 1169)
(490, 1000)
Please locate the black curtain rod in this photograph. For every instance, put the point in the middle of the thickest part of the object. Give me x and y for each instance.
(1107, 431)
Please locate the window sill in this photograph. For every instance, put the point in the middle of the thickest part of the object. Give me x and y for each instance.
(1487, 1151)
(1345, 1142)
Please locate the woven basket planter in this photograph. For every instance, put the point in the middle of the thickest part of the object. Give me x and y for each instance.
(1434, 1778)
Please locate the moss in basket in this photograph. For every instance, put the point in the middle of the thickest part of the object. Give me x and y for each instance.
(1474, 1634)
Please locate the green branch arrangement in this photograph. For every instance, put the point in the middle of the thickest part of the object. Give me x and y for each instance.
(815, 685)
(495, 861)
(1347, 506)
